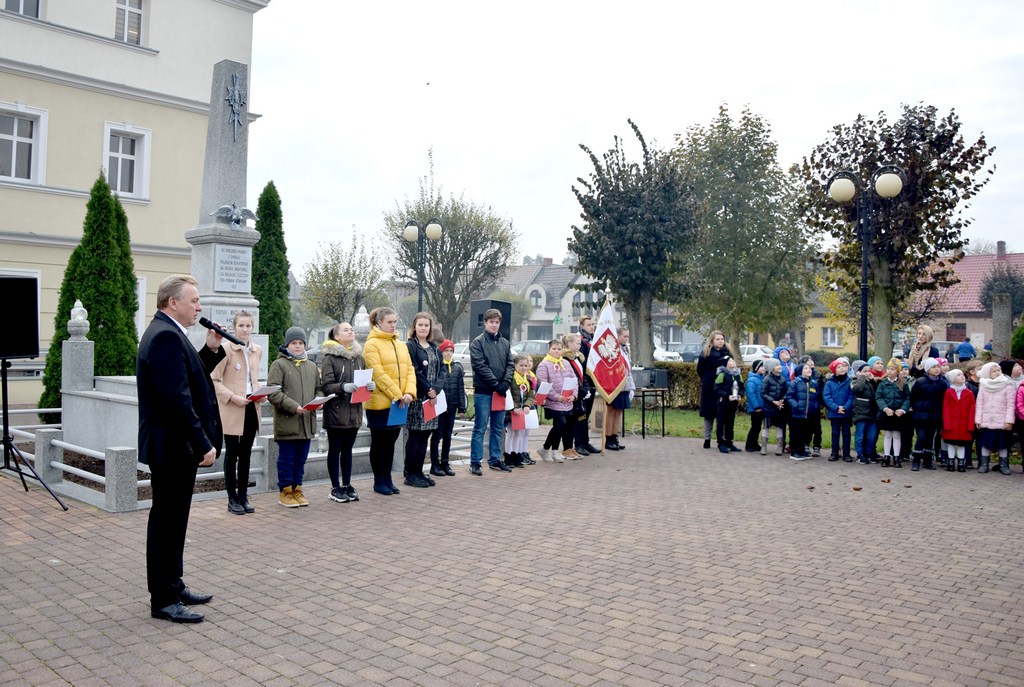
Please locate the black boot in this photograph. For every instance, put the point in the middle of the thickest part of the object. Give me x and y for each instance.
(233, 505)
(243, 501)
(447, 469)
(929, 463)
(618, 446)
(1004, 464)
(950, 465)
(983, 464)
(960, 465)
(897, 462)
(915, 463)
(886, 461)
(526, 459)
(609, 444)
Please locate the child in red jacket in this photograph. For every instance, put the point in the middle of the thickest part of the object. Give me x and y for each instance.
(957, 420)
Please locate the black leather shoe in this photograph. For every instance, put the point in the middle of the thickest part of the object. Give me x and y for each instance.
(610, 447)
(191, 598)
(707, 443)
(177, 613)
(246, 506)
(418, 481)
(235, 507)
(436, 471)
(582, 451)
(591, 448)
(447, 469)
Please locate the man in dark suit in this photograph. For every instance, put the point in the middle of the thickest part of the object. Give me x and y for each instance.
(179, 431)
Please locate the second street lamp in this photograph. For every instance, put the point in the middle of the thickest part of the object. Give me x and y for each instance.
(415, 233)
(843, 186)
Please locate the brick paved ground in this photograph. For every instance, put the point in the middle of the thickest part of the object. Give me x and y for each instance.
(663, 565)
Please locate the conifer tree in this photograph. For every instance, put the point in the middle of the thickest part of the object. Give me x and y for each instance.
(270, 267)
(101, 274)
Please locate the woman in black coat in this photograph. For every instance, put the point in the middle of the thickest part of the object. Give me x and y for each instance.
(714, 355)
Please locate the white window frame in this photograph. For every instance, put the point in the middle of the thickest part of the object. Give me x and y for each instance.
(21, 8)
(831, 337)
(125, 6)
(41, 119)
(143, 147)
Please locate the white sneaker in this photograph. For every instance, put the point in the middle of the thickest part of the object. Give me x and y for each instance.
(545, 455)
(557, 456)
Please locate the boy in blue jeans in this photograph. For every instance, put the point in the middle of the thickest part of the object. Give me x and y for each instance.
(490, 356)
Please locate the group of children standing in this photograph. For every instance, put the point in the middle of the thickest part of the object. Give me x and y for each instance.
(937, 416)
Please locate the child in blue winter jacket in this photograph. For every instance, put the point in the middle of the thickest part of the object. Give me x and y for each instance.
(839, 403)
(755, 405)
(804, 399)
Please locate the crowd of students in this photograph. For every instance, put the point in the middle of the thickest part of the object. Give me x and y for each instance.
(926, 411)
(408, 379)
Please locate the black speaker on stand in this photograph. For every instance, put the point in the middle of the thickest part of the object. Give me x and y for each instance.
(19, 339)
(476, 316)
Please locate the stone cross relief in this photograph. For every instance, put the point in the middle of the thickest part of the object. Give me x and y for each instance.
(236, 99)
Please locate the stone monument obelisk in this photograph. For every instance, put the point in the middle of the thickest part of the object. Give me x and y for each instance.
(221, 241)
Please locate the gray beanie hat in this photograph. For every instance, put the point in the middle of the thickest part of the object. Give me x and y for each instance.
(294, 333)
(769, 365)
(858, 365)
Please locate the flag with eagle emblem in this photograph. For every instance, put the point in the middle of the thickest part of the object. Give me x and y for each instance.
(607, 363)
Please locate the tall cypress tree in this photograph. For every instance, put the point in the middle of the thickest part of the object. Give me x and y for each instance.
(270, 267)
(101, 274)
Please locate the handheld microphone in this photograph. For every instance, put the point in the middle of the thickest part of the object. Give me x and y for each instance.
(217, 330)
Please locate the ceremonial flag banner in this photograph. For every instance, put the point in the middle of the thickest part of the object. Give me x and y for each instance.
(606, 364)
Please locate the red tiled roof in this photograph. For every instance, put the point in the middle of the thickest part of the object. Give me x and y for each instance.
(972, 270)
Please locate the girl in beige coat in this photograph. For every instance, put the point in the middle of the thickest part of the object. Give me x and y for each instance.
(234, 379)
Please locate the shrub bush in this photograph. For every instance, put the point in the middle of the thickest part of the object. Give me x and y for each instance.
(823, 358)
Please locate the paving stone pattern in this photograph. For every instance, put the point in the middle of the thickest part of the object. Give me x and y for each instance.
(665, 564)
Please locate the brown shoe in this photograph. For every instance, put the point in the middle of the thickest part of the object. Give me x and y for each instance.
(570, 454)
(287, 498)
(298, 496)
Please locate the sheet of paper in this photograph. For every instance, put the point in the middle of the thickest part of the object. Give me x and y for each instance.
(441, 403)
(318, 401)
(532, 419)
(361, 378)
(509, 403)
(569, 385)
(263, 392)
(542, 393)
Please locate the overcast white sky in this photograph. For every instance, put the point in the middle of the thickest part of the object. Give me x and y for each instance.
(353, 94)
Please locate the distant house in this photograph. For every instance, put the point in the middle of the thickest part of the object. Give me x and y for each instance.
(558, 305)
(962, 316)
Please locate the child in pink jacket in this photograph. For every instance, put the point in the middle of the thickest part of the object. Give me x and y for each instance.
(993, 415)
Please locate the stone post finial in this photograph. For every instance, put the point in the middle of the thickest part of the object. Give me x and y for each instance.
(78, 325)
(361, 324)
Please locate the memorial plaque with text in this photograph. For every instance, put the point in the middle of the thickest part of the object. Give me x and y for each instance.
(232, 271)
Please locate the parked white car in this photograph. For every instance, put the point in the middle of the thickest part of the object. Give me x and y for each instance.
(663, 356)
(752, 352)
(461, 354)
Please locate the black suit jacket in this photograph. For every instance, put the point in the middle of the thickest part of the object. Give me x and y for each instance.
(178, 415)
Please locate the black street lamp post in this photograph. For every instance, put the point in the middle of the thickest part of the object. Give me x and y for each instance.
(843, 186)
(415, 233)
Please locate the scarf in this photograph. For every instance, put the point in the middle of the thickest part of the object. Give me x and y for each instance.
(557, 362)
(958, 389)
(523, 381)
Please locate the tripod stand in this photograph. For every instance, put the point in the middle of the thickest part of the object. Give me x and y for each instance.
(11, 452)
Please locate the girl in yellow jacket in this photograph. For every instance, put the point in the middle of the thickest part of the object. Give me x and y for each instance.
(396, 383)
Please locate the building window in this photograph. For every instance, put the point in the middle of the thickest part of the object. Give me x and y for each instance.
(126, 159)
(30, 8)
(577, 304)
(536, 298)
(830, 337)
(121, 163)
(129, 22)
(22, 142)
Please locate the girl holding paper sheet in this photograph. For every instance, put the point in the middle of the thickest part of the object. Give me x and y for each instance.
(430, 381)
(558, 404)
(342, 418)
(234, 378)
(396, 385)
(517, 438)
